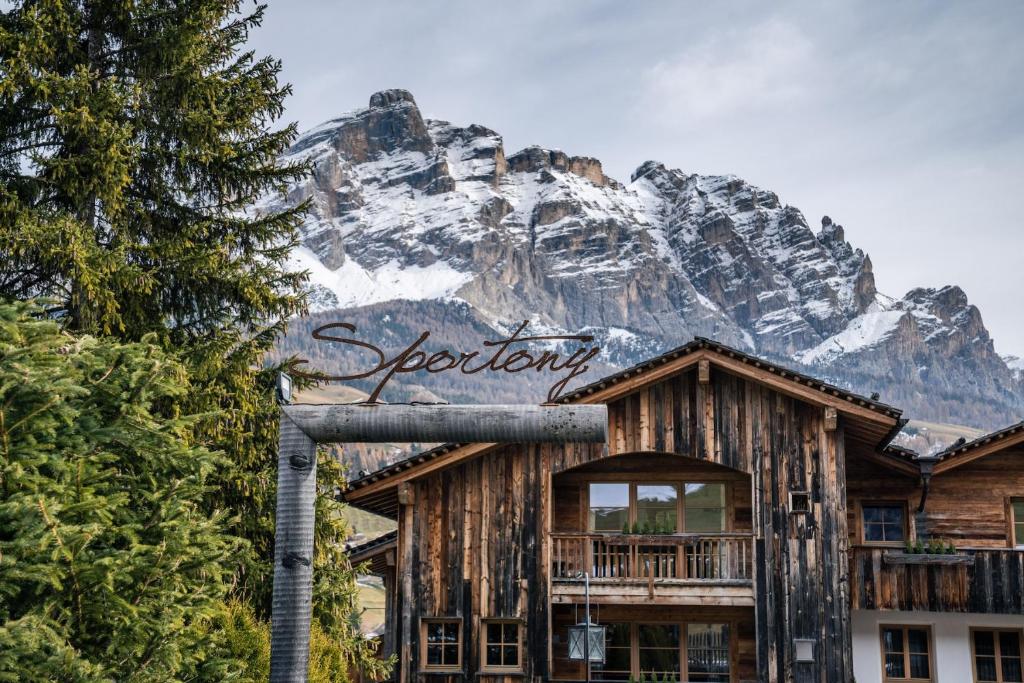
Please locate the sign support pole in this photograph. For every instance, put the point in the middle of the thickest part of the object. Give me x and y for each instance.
(293, 555)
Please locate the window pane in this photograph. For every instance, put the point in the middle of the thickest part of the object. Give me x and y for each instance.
(433, 654)
(511, 655)
(493, 633)
(451, 632)
(617, 654)
(1009, 643)
(917, 640)
(434, 633)
(705, 507)
(706, 495)
(1011, 670)
(656, 506)
(617, 635)
(894, 666)
(493, 655)
(984, 643)
(707, 647)
(609, 506)
(1018, 522)
(616, 665)
(892, 639)
(659, 660)
(511, 633)
(919, 666)
(883, 522)
(699, 519)
(659, 636)
(892, 515)
(986, 667)
(451, 654)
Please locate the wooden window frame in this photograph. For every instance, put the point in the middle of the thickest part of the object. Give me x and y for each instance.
(733, 646)
(490, 668)
(792, 506)
(887, 503)
(634, 643)
(443, 668)
(906, 652)
(680, 486)
(995, 630)
(1017, 543)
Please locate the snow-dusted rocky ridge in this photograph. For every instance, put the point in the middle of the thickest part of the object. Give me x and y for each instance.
(408, 209)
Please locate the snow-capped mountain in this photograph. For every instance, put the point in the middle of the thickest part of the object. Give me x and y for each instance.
(406, 209)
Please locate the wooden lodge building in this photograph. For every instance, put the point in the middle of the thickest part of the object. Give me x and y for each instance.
(743, 523)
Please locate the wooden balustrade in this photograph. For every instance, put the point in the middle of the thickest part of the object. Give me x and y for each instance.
(697, 557)
(988, 581)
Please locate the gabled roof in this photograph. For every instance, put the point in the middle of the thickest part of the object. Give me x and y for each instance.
(702, 343)
(962, 453)
(370, 491)
(374, 551)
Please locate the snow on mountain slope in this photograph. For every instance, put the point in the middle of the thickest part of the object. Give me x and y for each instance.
(411, 209)
(863, 332)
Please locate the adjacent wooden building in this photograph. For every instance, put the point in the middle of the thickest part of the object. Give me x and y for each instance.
(738, 526)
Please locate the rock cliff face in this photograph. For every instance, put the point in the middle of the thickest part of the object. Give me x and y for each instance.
(407, 209)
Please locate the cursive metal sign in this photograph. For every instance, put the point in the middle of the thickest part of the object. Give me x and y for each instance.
(500, 357)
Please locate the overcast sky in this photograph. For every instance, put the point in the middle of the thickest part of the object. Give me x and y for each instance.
(904, 121)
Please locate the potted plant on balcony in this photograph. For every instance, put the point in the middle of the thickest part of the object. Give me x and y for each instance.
(935, 551)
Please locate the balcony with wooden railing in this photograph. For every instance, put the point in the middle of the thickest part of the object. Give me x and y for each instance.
(670, 569)
(986, 581)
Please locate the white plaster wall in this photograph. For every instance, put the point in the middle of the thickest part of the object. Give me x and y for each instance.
(950, 640)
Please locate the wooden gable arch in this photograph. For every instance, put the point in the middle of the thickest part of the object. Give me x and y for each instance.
(676, 403)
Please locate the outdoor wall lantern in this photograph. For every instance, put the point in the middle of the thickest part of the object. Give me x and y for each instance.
(804, 649)
(578, 645)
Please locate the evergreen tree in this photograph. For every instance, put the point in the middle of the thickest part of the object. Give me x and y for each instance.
(134, 138)
(109, 567)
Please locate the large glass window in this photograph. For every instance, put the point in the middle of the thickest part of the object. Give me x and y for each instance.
(658, 648)
(997, 656)
(1017, 521)
(442, 644)
(618, 654)
(690, 652)
(704, 508)
(707, 653)
(609, 507)
(656, 507)
(906, 653)
(884, 522)
(502, 645)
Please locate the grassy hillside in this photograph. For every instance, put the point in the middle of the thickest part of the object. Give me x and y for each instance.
(371, 601)
(931, 437)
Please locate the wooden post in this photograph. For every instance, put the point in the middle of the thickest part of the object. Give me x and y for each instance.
(831, 419)
(293, 555)
(704, 371)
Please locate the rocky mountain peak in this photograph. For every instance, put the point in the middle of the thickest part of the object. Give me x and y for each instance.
(388, 98)
(536, 159)
(410, 209)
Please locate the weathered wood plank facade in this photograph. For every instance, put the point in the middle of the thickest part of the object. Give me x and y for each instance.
(483, 529)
